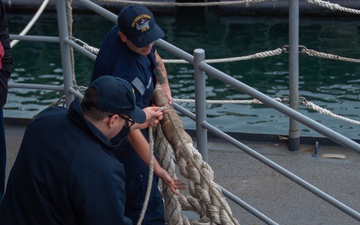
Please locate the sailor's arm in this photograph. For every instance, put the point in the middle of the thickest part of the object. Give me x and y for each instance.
(162, 77)
(142, 148)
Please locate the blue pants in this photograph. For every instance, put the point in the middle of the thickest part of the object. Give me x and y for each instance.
(137, 175)
(2, 154)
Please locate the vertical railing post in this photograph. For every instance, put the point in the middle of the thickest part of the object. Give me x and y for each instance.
(200, 103)
(65, 50)
(294, 134)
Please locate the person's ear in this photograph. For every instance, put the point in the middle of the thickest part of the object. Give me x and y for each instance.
(112, 120)
(122, 36)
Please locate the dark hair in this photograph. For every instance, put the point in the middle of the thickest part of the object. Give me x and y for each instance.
(88, 105)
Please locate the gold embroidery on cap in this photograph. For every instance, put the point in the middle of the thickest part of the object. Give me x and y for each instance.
(141, 22)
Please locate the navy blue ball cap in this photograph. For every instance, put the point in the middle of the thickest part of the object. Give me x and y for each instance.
(138, 24)
(116, 95)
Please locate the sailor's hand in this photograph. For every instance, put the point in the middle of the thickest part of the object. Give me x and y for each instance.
(173, 183)
(153, 115)
(168, 96)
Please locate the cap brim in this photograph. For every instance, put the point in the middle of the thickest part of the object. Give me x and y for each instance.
(138, 115)
(148, 37)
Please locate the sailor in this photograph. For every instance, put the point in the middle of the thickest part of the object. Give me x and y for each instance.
(129, 52)
(65, 172)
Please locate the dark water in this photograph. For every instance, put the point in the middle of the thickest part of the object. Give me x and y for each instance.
(334, 85)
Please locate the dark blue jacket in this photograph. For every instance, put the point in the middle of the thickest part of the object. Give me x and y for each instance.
(64, 174)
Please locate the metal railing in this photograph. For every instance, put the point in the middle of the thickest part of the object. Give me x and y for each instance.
(202, 127)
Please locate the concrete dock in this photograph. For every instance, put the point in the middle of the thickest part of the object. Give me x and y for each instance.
(335, 171)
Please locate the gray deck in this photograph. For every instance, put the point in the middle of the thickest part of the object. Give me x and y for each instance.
(272, 194)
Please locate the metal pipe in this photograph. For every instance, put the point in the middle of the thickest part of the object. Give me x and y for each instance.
(80, 49)
(75, 93)
(99, 10)
(65, 50)
(36, 38)
(36, 86)
(175, 51)
(247, 207)
(294, 134)
(200, 103)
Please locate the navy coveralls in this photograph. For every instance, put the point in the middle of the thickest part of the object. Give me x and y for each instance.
(115, 58)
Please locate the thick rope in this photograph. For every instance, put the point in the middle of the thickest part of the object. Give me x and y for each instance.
(241, 102)
(333, 6)
(173, 213)
(150, 180)
(311, 52)
(191, 166)
(70, 26)
(151, 173)
(303, 101)
(258, 55)
(86, 46)
(327, 112)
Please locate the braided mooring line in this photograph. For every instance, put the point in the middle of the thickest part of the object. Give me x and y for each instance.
(150, 180)
(173, 213)
(70, 29)
(333, 6)
(258, 55)
(327, 112)
(201, 185)
(304, 102)
(151, 173)
(89, 48)
(270, 53)
(198, 173)
(312, 52)
(242, 102)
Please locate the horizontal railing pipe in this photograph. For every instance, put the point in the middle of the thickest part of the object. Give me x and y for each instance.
(36, 86)
(35, 38)
(99, 10)
(80, 49)
(73, 91)
(184, 111)
(175, 51)
(247, 207)
(344, 141)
